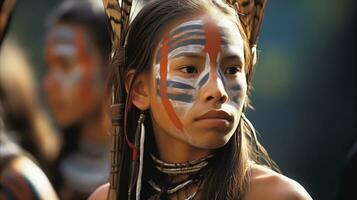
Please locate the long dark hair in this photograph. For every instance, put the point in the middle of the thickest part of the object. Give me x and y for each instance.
(141, 41)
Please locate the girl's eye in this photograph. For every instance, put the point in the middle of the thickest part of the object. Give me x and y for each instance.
(189, 70)
(232, 70)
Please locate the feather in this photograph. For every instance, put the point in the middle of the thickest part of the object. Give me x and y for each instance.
(251, 13)
(6, 9)
(125, 13)
(118, 16)
(113, 12)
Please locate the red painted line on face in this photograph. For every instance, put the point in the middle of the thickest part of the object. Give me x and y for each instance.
(164, 51)
(213, 45)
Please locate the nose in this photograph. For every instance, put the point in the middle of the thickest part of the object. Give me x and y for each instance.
(214, 91)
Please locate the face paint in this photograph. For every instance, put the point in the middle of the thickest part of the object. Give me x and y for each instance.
(69, 48)
(201, 40)
(74, 80)
(63, 42)
(68, 80)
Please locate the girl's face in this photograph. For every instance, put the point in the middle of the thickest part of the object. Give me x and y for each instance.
(197, 82)
(74, 82)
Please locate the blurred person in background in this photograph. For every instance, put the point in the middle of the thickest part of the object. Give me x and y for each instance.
(76, 50)
(22, 111)
(20, 177)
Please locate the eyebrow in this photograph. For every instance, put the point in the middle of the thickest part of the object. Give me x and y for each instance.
(190, 51)
(234, 57)
(188, 42)
(200, 40)
(187, 54)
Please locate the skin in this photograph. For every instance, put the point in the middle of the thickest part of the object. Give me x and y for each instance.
(200, 70)
(264, 184)
(73, 74)
(25, 180)
(179, 135)
(74, 82)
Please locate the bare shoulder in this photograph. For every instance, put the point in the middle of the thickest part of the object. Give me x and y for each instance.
(268, 185)
(100, 193)
(24, 178)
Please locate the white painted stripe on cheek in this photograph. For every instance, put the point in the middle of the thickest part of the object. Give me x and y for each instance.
(68, 81)
(181, 108)
(188, 81)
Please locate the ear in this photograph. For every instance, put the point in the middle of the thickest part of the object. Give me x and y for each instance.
(139, 90)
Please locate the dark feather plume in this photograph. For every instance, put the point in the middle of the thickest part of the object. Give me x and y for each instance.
(112, 10)
(125, 13)
(118, 14)
(6, 9)
(251, 13)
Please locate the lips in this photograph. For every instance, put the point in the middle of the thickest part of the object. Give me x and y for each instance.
(215, 115)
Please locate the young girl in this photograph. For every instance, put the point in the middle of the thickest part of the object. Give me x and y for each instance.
(187, 69)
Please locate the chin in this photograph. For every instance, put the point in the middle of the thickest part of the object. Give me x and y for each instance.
(65, 120)
(211, 142)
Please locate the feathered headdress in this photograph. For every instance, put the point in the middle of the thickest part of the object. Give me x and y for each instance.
(251, 14)
(6, 9)
(118, 14)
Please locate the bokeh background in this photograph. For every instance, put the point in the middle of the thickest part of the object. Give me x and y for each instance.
(304, 87)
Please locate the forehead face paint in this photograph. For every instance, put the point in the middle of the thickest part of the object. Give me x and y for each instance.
(198, 40)
(68, 47)
(63, 40)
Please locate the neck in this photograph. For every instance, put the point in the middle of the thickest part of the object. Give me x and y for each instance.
(173, 150)
(93, 129)
(183, 169)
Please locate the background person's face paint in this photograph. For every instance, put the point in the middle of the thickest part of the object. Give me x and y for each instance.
(74, 80)
(68, 54)
(189, 57)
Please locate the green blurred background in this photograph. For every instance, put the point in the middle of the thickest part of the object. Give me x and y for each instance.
(304, 87)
